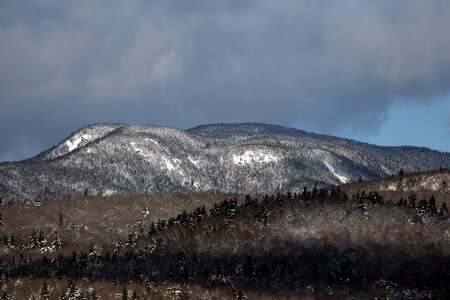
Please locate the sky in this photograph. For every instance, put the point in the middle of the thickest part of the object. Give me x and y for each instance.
(375, 71)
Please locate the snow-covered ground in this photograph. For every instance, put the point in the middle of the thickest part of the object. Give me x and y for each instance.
(73, 144)
(342, 178)
(255, 156)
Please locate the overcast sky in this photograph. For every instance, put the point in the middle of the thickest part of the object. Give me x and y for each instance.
(377, 71)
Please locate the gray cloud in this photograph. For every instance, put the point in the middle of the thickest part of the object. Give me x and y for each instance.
(314, 64)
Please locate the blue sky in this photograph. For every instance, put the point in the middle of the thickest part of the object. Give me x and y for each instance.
(419, 124)
(375, 71)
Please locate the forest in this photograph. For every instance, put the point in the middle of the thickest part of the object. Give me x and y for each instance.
(317, 244)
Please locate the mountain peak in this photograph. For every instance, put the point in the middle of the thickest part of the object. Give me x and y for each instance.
(78, 139)
(244, 128)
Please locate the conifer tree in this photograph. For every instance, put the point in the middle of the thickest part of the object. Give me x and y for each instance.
(444, 185)
(45, 292)
(61, 219)
(412, 200)
(32, 240)
(248, 269)
(153, 228)
(41, 241)
(291, 275)
(134, 296)
(56, 243)
(92, 252)
(72, 292)
(444, 211)
(4, 288)
(432, 205)
(124, 293)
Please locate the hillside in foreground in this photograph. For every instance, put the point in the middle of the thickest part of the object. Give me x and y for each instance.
(401, 186)
(316, 244)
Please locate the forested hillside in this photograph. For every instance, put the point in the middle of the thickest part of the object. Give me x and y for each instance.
(226, 158)
(317, 243)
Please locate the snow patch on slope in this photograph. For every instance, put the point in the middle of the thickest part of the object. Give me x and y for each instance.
(169, 164)
(136, 149)
(386, 170)
(172, 164)
(392, 187)
(193, 161)
(255, 156)
(109, 192)
(342, 178)
(75, 143)
(153, 141)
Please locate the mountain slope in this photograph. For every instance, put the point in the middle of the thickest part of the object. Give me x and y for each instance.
(242, 158)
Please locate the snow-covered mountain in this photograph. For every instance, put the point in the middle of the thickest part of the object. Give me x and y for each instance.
(237, 158)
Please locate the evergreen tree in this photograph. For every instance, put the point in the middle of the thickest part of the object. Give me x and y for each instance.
(444, 185)
(4, 288)
(241, 295)
(248, 269)
(124, 293)
(32, 240)
(432, 205)
(248, 201)
(61, 219)
(291, 275)
(153, 229)
(323, 193)
(56, 243)
(131, 239)
(412, 200)
(134, 296)
(45, 292)
(314, 191)
(92, 252)
(205, 273)
(444, 211)
(305, 193)
(262, 271)
(72, 292)
(41, 239)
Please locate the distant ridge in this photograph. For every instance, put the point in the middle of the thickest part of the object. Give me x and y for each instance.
(232, 158)
(436, 181)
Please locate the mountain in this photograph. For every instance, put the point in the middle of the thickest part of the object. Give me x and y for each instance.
(230, 158)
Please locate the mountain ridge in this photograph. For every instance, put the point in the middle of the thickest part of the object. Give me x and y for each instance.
(230, 158)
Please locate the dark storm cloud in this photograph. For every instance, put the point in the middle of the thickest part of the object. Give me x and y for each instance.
(321, 65)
